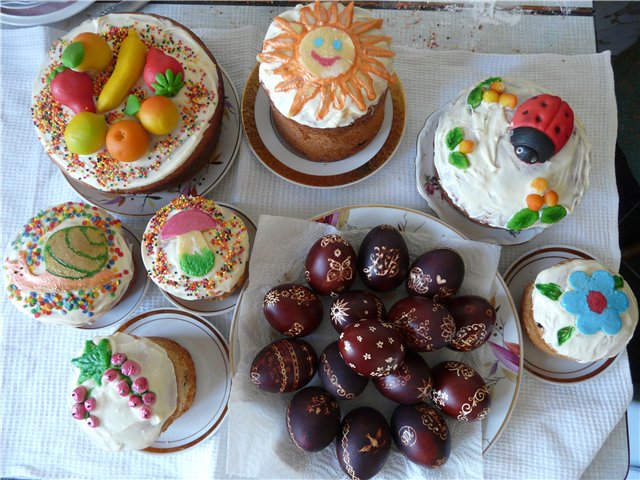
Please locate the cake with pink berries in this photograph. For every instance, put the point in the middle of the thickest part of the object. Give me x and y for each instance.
(580, 310)
(510, 155)
(195, 249)
(129, 103)
(128, 390)
(70, 265)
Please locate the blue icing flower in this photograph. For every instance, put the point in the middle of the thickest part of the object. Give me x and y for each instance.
(596, 302)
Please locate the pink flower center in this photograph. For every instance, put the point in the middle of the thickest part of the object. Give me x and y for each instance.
(597, 301)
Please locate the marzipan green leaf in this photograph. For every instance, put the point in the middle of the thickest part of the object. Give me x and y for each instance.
(549, 290)
(454, 137)
(459, 160)
(522, 219)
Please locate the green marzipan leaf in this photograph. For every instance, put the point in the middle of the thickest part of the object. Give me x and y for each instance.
(489, 81)
(475, 97)
(133, 105)
(522, 219)
(618, 282)
(169, 75)
(564, 334)
(459, 160)
(160, 78)
(72, 55)
(93, 362)
(553, 214)
(549, 290)
(454, 137)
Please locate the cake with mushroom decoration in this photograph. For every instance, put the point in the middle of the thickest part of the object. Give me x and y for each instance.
(326, 69)
(509, 155)
(580, 310)
(70, 264)
(128, 390)
(196, 249)
(129, 103)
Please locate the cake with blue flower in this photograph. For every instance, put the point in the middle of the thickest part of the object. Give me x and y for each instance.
(579, 310)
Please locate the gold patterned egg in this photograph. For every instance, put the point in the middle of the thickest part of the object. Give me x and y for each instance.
(76, 252)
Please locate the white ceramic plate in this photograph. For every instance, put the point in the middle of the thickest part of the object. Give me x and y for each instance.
(210, 354)
(429, 189)
(146, 204)
(30, 13)
(544, 366)
(501, 363)
(135, 293)
(216, 307)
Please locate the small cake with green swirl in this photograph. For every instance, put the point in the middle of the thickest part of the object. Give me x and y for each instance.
(69, 264)
(196, 249)
(579, 310)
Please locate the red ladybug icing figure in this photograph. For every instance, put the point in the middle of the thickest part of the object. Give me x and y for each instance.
(541, 126)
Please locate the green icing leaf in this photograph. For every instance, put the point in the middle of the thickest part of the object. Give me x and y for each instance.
(549, 290)
(489, 81)
(618, 282)
(197, 264)
(94, 361)
(133, 105)
(72, 55)
(564, 334)
(168, 84)
(522, 219)
(459, 160)
(553, 214)
(475, 97)
(454, 137)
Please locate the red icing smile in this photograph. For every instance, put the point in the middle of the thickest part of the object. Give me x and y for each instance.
(324, 61)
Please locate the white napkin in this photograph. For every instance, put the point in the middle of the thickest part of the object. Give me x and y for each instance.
(279, 251)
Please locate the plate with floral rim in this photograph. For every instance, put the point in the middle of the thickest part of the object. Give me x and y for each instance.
(217, 307)
(210, 355)
(544, 366)
(147, 204)
(280, 158)
(429, 188)
(501, 361)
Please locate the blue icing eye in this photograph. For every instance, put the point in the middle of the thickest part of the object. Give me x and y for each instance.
(318, 42)
(337, 44)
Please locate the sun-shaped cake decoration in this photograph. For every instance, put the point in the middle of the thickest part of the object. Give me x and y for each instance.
(327, 53)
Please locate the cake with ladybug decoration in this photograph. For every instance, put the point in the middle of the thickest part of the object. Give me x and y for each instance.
(196, 249)
(510, 155)
(580, 310)
(326, 69)
(129, 103)
(127, 390)
(70, 264)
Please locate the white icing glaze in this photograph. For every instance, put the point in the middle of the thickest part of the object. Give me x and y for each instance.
(550, 314)
(121, 427)
(215, 283)
(307, 116)
(102, 300)
(495, 185)
(198, 68)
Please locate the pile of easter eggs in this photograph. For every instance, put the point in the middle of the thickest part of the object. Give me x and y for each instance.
(376, 344)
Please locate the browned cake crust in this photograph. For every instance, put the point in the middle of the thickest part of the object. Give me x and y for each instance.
(331, 144)
(185, 376)
(238, 285)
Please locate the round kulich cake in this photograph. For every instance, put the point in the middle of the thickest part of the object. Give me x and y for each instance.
(579, 310)
(127, 390)
(195, 249)
(326, 70)
(69, 265)
(509, 155)
(129, 103)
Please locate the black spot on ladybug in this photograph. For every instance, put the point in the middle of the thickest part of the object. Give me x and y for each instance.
(538, 118)
(566, 114)
(526, 112)
(557, 129)
(543, 104)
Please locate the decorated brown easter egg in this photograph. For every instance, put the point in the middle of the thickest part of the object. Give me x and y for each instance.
(409, 383)
(363, 443)
(425, 325)
(421, 434)
(356, 305)
(475, 318)
(337, 377)
(437, 274)
(285, 365)
(293, 310)
(313, 419)
(330, 267)
(371, 348)
(459, 391)
(383, 259)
